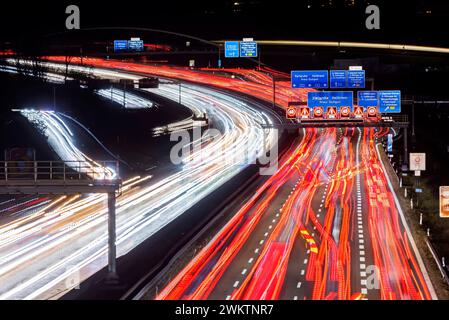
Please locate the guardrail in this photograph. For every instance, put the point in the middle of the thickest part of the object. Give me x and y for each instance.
(58, 170)
(442, 269)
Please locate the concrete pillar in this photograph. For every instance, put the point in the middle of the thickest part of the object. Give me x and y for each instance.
(112, 268)
(405, 147)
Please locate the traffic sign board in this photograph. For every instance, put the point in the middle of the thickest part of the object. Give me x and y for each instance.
(310, 79)
(356, 78)
(291, 113)
(327, 99)
(248, 49)
(318, 112)
(390, 101)
(358, 112)
(135, 44)
(232, 49)
(331, 112)
(345, 112)
(372, 111)
(120, 45)
(417, 161)
(304, 112)
(338, 78)
(367, 99)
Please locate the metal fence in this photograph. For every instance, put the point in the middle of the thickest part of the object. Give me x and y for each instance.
(58, 170)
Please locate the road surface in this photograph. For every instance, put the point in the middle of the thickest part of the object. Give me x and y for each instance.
(325, 226)
(48, 251)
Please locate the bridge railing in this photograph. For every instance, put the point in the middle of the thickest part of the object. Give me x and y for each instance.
(58, 170)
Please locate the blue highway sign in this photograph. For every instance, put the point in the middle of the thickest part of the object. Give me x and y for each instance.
(310, 79)
(356, 78)
(248, 49)
(338, 79)
(390, 101)
(232, 49)
(327, 99)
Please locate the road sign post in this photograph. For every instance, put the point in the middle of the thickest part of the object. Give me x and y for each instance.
(417, 164)
(112, 277)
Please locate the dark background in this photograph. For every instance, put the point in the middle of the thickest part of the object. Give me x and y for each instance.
(418, 21)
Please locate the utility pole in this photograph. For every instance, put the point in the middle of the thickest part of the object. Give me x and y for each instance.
(54, 98)
(112, 263)
(124, 94)
(405, 147)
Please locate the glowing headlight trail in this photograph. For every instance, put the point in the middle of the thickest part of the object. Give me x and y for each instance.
(51, 253)
(332, 241)
(60, 139)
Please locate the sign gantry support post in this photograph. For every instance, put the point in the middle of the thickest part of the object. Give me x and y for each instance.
(405, 146)
(112, 253)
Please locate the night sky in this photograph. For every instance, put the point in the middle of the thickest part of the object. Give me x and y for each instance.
(401, 21)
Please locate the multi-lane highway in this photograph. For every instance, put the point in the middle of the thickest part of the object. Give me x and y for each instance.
(325, 226)
(46, 252)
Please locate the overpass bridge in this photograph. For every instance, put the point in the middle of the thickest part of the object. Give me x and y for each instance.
(67, 177)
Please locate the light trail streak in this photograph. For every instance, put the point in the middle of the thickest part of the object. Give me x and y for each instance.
(43, 250)
(321, 158)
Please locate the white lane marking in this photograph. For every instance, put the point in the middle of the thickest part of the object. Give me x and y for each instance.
(266, 234)
(363, 274)
(236, 284)
(244, 271)
(362, 259)
(305, 261)
(364, 291)
(295, 298)
(250, 260)
(362, 266)
(407, 229)
(363, 282)
(362, 252)
(261, 241)
(298, 285)
(256, 251)
(228, 297)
